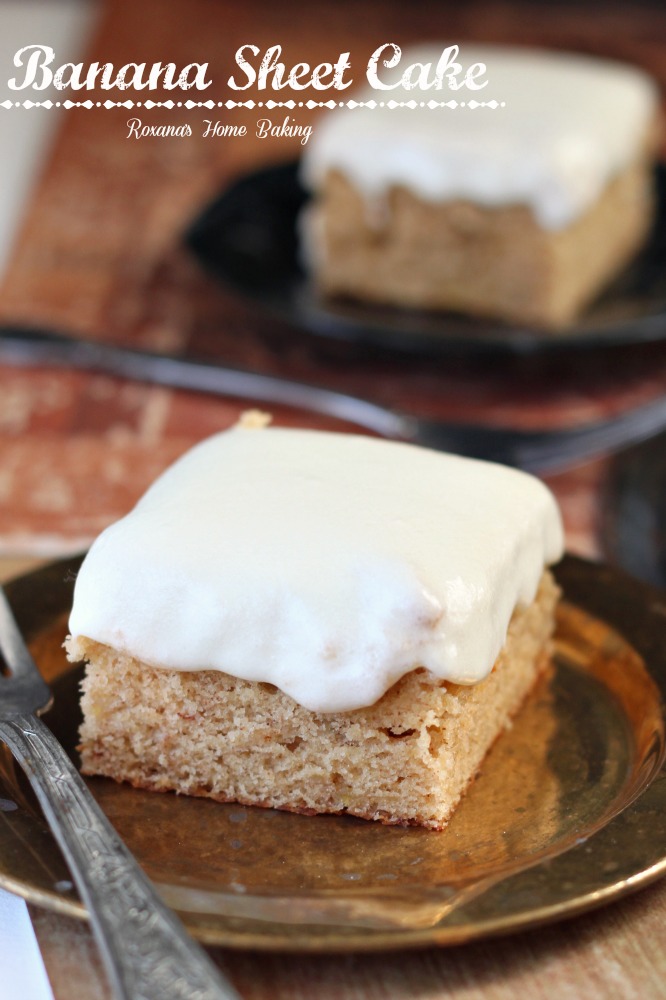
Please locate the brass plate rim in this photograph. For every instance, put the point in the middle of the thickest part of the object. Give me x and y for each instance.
(444, 938)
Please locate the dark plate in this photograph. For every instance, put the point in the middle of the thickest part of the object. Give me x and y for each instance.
(568, 812)
(634, 518)
(247, 237)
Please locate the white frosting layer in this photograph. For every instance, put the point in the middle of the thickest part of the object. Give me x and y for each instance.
(570, 124)
(326, 564)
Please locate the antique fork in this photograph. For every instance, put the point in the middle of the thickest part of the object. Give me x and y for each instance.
(146, 951)
(535, 451)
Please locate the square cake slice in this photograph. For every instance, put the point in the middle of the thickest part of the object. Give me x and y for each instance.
(521, 211)
(317, 622)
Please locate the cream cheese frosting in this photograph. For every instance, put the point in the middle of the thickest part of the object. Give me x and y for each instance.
(569, 124)
(326, 564)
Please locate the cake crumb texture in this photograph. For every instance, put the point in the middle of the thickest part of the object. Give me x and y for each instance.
(405, 760)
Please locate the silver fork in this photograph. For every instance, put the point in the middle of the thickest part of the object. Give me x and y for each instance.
(534, 451)
(146, 951)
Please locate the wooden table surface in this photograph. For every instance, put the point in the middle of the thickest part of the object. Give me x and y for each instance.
(101, 254)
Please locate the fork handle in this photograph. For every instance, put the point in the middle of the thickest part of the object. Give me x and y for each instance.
(146, 951)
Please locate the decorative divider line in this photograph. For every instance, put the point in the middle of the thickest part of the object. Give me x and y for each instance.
(8, 105)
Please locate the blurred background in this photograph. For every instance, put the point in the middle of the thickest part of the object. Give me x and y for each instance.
(93, 245)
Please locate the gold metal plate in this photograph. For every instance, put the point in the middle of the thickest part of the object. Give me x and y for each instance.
(568, 812)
